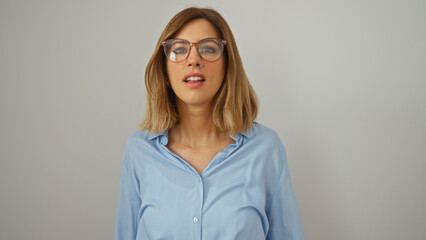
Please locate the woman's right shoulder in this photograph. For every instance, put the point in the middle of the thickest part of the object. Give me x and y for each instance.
(139, 137)
(140, 143)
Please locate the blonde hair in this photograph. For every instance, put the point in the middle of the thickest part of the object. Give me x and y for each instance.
(234, 105)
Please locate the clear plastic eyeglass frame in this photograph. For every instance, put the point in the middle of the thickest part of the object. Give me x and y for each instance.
(209, 49)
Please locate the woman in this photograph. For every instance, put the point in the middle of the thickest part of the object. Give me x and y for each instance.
(200, 168)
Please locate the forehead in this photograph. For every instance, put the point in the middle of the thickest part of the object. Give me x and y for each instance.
(196, 30)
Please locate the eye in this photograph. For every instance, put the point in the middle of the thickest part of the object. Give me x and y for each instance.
(179, 50)
(207, 49)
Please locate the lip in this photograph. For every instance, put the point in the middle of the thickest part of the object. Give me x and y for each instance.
(194, 74)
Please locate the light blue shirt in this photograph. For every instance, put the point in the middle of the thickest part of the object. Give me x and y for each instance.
(244, 193)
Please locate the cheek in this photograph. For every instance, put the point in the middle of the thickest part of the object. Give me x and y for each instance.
(217, 70)
(173, 72)
(222, 68)
(169, 70)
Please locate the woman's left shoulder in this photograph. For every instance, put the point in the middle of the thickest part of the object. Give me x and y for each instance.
(264, 143)
(265, 138)
(263, 133)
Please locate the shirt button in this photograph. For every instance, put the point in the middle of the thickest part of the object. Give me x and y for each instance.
(195, 220)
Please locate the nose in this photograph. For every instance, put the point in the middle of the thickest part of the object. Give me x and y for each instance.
(194, 58)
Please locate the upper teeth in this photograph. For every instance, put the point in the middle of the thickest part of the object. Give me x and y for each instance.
(194, 79)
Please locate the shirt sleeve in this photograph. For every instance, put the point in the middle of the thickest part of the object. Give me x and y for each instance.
(129, 202)
(283, 214)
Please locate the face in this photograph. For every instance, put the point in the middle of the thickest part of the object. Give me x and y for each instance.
(184, 76)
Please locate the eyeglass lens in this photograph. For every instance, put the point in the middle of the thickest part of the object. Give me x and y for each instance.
(209, 49)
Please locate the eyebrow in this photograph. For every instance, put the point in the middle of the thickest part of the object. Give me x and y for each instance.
(194, 42)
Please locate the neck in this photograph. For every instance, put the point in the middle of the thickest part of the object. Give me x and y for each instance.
(195, 127)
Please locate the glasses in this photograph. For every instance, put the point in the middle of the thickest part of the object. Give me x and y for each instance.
(209, 49)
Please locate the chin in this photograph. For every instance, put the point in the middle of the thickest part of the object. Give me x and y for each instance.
(196, 102)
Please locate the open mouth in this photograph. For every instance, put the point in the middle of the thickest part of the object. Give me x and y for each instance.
(194, 79)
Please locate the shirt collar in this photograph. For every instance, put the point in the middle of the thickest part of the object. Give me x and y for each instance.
(156, 135)
(164, 136)
(247, 134)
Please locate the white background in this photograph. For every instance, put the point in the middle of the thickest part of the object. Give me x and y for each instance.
(342, 82)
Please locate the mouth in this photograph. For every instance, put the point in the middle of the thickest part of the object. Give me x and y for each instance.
(194, 79)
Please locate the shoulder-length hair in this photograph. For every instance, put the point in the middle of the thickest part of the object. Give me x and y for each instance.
(234, 105)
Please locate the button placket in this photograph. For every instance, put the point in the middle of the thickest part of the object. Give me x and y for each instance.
(197, 206)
